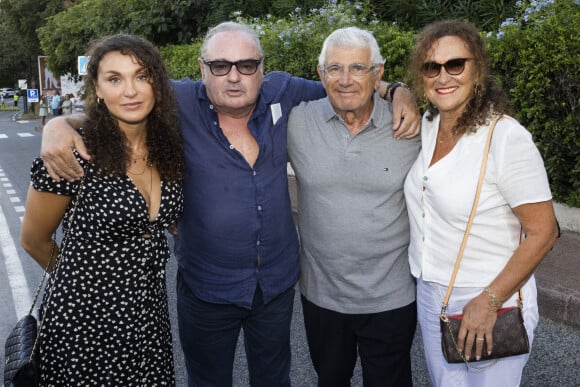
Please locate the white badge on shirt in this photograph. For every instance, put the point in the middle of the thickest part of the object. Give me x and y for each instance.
(276, 112)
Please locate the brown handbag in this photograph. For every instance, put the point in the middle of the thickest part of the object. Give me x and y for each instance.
(509, 333)
(509, 337)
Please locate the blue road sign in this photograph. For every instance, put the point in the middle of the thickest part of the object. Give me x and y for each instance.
(32, 95)
(83, 61)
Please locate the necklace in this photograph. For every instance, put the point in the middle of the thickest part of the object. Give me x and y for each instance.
(141, 183)
(142, 171)
(142, 157)
(441, 140)
(147, 195)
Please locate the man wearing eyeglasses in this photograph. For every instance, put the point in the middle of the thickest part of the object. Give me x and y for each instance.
(358, 294)
(237, 244)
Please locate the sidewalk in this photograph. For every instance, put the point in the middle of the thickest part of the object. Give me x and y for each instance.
(557, 277)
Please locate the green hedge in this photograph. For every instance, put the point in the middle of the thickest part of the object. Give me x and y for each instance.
(181, 60)
(293, 44)
(536, 57)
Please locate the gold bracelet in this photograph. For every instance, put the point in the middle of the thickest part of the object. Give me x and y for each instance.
(493, 301)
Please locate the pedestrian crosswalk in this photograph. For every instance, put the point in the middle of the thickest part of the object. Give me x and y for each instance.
(14, 271)
(7, 135)
(19, 129)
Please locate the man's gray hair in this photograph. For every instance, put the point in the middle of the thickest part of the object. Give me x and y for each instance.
(352, 37)
(227, 27)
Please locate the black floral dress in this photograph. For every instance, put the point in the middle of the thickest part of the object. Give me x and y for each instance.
(107, 323)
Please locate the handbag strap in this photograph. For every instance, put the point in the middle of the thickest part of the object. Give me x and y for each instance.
(471, 215)
(58, 264)
(39, 287)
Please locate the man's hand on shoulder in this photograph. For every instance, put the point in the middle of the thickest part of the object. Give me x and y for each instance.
(406, 116)
(59, 138)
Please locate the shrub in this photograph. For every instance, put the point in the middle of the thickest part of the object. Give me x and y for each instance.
(293, 44)
(537, 58)
(181, 60)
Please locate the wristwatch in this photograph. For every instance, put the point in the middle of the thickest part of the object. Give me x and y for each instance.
(391, 90)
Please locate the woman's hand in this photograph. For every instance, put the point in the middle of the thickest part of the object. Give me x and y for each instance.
(479, 318)
(479, 315)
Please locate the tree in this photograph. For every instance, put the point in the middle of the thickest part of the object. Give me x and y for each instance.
(67, 34)
(20, 48)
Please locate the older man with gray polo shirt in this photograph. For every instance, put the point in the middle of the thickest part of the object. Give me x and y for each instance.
(357, 290)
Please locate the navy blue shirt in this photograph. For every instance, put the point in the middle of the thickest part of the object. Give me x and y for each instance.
(237, 229)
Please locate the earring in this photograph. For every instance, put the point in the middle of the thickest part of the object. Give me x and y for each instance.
(98, 101)
(477, 90)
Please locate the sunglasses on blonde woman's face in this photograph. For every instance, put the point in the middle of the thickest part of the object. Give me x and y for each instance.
(452, 66)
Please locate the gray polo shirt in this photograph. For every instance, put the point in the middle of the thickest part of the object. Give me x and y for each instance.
(353, 223)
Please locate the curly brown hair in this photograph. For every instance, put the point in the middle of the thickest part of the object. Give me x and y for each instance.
(488, 97)
(105, 141)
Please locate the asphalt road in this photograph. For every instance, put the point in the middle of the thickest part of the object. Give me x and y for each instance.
(554, 360)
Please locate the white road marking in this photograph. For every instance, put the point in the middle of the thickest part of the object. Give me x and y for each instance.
(14, 271)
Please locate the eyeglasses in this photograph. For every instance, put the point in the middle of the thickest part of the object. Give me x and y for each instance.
(356, 70)
(219, 68)
(453, 67)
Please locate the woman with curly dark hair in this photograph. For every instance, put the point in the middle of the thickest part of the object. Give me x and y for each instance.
(449, 67)
(105, 318)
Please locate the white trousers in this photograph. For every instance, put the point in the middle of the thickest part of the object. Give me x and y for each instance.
(505, 372)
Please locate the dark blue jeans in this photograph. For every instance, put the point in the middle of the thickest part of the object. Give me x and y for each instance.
(209, 335)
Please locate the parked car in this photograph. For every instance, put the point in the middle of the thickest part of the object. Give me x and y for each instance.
(7, 92)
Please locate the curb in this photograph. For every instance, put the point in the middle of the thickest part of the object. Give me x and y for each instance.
(558, 289)
(568, 217)
(559, 303)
